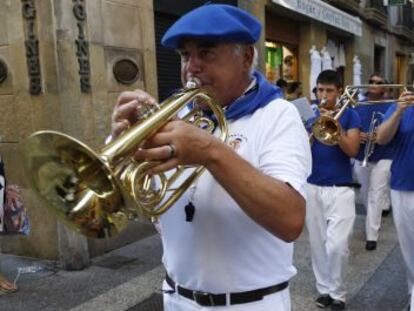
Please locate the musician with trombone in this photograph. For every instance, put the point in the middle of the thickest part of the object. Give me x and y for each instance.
(398, 126)
(227, 241)
(330, 212)
(373, 162)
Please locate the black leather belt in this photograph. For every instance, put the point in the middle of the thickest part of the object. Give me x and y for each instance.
(349, 184)
(208, 299)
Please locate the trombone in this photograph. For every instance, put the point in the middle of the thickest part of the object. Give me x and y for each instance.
(403, 87)
(97, 193)
(327, 129)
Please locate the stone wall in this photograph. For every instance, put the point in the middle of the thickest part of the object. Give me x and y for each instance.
(79, 42)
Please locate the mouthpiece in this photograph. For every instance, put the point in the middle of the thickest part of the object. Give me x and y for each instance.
(323, 102)
(193, 83)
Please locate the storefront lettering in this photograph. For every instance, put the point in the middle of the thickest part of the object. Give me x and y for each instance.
(325, 13)
(82, 46)
(32, 47)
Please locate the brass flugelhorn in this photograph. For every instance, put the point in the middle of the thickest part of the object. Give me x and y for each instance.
(327, 129)
(96, 194)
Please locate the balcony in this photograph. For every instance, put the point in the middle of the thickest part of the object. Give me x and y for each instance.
(375, 13)
(402, 22)
(404, 32)
(350, 6)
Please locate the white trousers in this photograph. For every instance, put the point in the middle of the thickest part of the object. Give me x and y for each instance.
(403, 210)
(375, 190)
(412, 297)
(330, 216)
(279, 301)
(2, 185)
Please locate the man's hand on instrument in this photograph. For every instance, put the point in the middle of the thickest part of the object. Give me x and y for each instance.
(363, 137)
(406, 100)
(326, 112)
(373, 137)
(127, 110)
(177, 143)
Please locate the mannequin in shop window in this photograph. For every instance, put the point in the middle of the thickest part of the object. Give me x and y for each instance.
(315, 69)
(326, 59)
(357, 70)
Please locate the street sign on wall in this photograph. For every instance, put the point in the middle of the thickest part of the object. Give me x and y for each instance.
(325, 13)
(394, 2)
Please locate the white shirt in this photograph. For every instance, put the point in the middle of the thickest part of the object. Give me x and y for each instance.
(223, 250)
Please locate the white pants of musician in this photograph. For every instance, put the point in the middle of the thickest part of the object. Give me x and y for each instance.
(330, 216)
(403, 211)
(375, 189)
(279, 301)
(412, 297)
(2, 185)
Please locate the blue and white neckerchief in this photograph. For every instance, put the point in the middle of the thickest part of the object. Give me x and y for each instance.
(259, 93)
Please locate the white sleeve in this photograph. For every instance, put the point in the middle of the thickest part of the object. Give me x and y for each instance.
(283, 145)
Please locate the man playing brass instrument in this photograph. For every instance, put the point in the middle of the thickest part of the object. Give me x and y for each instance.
(330, 207)
(234, 247)
(398, 126)
(375, 177)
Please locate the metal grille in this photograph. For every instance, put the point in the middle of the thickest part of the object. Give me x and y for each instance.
(168, 62)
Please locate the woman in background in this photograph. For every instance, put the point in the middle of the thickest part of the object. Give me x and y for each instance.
(5, 285)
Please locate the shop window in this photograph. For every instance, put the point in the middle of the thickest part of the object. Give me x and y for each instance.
(281, 62)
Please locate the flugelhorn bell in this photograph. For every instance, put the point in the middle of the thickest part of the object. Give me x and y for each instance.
(327, 129)
(97, 193)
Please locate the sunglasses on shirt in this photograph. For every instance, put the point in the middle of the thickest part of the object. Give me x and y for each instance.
(375, 82)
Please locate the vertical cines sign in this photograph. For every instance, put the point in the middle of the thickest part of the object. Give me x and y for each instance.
(82, 46)
(32, 47)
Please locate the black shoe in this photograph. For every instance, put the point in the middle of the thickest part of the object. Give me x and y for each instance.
(324, 301)
(337, 305)
(371, 245)
(386, 212)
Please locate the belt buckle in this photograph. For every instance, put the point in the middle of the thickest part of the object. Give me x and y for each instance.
(200, 298)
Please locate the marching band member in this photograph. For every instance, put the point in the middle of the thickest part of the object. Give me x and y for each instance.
(235, 249)
(373, 170)
(330, 207)
(399, 126)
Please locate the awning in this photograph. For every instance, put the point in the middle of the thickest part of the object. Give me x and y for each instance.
(324, 13)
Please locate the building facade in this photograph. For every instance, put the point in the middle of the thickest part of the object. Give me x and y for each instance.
(64, 63)
(380, 36)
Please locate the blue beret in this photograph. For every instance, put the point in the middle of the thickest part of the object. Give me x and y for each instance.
(214, 22)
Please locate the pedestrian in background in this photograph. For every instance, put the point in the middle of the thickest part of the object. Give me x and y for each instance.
(283, 86)
(5, 285)
(294, 90)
